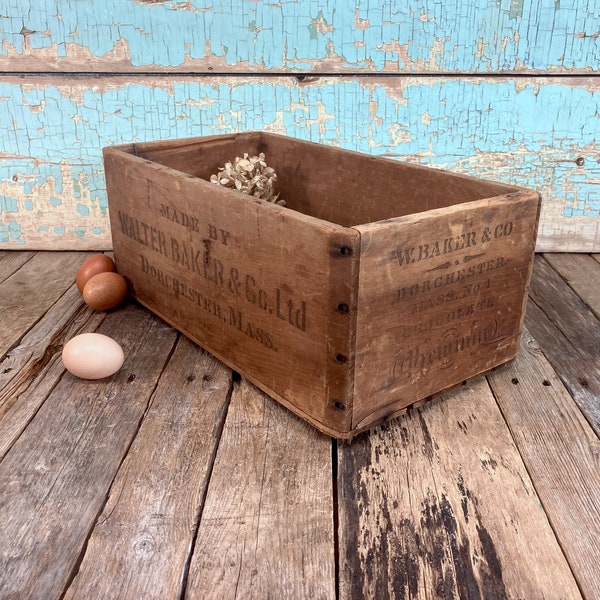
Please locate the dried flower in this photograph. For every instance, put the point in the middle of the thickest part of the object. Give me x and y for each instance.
(249, 175)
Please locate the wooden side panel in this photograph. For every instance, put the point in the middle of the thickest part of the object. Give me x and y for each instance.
(441, 299)
(295, 36)
(352, 188)
(538, 133)
(266, 289)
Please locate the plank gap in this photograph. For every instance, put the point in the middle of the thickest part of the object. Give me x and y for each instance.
(11, 262)
(568, 333)
(530, 471)
(336, 516)
(302, 76)
(32, 369)
(152, 394)
(581, 273)
(235, 380)
(552, 435)
(555, 325)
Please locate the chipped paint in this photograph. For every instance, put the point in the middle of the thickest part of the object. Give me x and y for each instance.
(541, 133)
(533, 131)
(329, 36)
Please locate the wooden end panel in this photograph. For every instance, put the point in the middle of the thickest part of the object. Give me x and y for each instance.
(262, 287)
(441, 299)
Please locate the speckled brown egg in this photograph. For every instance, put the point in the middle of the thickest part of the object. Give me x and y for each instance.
(105, 291)
(98, 263)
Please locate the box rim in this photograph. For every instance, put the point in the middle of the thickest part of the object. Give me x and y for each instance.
(287, 213)
(194, 140)
(129, 150)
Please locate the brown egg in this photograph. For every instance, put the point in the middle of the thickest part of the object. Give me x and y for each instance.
(99, 263)
(105, 291)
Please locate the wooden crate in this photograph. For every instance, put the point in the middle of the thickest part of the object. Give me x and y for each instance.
(379, 285)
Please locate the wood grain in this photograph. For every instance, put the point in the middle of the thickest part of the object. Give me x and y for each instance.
(438, 504)
(31, 369)
(441, 296)
(256, 284)
(582, 273)
(569, 334)
(141, 543)
(267, 525)
(57, 271)
(12, 261)
(561, 452)
(55, 478)
(145, 486)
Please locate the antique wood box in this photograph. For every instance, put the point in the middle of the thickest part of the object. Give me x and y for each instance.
(377, 286)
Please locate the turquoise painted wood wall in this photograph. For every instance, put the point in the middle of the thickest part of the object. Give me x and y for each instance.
(504, 89)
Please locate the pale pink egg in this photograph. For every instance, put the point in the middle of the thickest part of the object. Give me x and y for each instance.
(92, 356)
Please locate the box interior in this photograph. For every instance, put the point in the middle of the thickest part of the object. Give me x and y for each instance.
(342, 187)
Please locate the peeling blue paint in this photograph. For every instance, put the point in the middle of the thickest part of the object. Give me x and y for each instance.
(11, 233)
(479, 37)
(8, 204)
(80, 233)
(524, 133)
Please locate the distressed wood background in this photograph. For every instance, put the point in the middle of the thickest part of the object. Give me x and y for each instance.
(504, 89)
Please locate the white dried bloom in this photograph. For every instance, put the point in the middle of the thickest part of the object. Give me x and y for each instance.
(249, 175)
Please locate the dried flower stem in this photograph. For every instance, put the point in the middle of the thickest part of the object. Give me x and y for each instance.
(249, 175)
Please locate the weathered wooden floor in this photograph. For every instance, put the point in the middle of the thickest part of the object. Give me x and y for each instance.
(176, 479)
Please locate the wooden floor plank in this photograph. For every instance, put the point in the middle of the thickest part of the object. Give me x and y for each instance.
(31, 369)
(582, 273)
(11, 261)
(562, 454)
(569, 334)
(438, 504)
(28, 293)
(564, 308)
(267, 525)
(55, 478)
(484, 493)
(139, 549)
